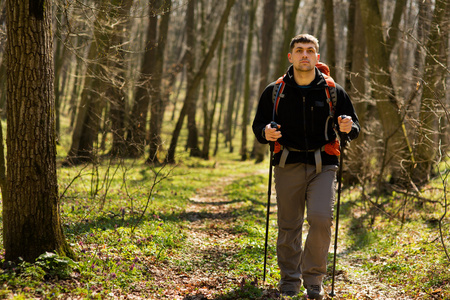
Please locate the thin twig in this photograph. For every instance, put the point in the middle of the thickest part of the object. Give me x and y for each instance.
(156, 180)
(72, 181)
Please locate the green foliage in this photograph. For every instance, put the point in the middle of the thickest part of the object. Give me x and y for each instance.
(29, 277)
(402, 251)
(55, 266)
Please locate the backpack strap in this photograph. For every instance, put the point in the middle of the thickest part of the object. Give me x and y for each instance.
(277, 93)
(331, 99)
(331, 90)
(331, 93)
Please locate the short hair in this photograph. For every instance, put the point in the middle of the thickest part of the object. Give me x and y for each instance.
(304, 38)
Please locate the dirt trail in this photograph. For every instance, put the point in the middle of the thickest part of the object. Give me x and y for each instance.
(210, 217)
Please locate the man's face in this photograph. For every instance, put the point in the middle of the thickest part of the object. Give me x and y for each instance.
(304, 57)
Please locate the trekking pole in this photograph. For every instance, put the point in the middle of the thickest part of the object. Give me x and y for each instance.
(269, 193)
(341, 161)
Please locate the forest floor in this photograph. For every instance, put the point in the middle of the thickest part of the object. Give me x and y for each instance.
(196, 232)
(212, 235)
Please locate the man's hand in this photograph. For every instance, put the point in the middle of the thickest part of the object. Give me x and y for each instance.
(272, 134)
(345, 123)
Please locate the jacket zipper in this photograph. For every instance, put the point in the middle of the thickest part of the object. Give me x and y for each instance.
(304, 123)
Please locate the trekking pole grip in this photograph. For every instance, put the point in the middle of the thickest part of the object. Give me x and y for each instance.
(273, 124)
(343, 135)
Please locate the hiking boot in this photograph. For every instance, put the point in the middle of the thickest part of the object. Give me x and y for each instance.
(315, 291)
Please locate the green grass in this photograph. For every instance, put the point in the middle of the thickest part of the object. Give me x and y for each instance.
(407, 255)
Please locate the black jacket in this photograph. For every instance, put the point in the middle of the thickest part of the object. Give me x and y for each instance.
(302, 114)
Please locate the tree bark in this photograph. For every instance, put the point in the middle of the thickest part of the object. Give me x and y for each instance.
(170, 158)
(331, 40)
(93, 97)
(433, 96)
(136, 135)
(236, 76)
(224, 83)
(157, 100)
(357, 76)
(356, 88)
(350, 43)
(209, 115)
(397, 146)
(31, 221)
(394, 30)
(191, 41)
(282, 62)
(78, 85)
(59, 56)
(116, 90)
(3, 184)
(267, 28)
(423, 25)
(245, 110)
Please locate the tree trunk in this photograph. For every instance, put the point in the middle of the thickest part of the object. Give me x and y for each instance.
(31, 221)
(3, 184)
(397, 146)
(236, 76)
(170, 158)
(245, 110)
(93, 99)
(267, 28)
(357, 155)
(76, 91)
(59, 56)
(433, 96)
(192, 140)
(357, 72)
(282, 62)
(331, 41)
(209, 116)
(138, 120)
(116, 90)
(157, 101)
(224, 84)
(350, 43)
(394, 28)
(2, 87)
(423, 25)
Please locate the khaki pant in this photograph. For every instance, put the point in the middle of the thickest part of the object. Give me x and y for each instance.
(299, 187)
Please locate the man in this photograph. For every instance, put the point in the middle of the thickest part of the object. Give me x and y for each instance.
(305, 174)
